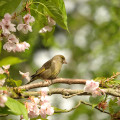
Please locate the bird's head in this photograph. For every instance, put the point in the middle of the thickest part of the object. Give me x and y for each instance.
(60, 58)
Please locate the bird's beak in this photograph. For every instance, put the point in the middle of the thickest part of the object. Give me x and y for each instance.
(64, 62)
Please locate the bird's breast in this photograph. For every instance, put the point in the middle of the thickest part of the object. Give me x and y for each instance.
(56, 67)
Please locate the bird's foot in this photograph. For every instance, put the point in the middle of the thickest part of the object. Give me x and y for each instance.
(48, 81)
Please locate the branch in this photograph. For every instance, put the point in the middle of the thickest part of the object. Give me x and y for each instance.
(95, 107)
(50, 82)
(66, 93)
(64, 111)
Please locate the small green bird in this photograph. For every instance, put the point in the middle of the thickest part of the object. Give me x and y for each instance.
(50, 69)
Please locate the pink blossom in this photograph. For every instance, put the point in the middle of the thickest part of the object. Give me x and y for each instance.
(7, 26)
(44, 97)
(24, 28)
(26, 45)
(1, 92)
(96, 93)
(51, 22)
(28, 18)
(46, 109)
(1, 71)
(91, 86)
(9, 46)
(22, 46)
(2, 82)
(46, 29)
(25, 75)
(3, 99)
(36, 100)
(7, 17)
(13, 38)
(44, 91)
(6, 67)
(32, 108)
(5, 31)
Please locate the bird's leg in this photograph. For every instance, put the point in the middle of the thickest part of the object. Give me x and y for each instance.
(49, 81)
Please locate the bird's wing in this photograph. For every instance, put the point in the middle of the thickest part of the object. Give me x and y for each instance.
(44, 67)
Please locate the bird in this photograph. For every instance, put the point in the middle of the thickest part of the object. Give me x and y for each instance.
(50, 69)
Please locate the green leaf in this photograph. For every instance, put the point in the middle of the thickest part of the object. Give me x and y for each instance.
(96, 100)
(17, 107)
(3, 88)
(18, 82)
(48, 38)
(113, 106)
(57, 110)
(13, 83)
(2, 76)
(8, 6)
(56, 9)
(10, 60)
(5, 110)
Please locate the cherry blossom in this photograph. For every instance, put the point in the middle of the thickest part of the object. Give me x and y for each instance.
(24, 28)
(44, 97)
(46, 29)
(6, 67)
(9, 46)
(96, 93)
(49, 27)
(51, 22)
(46, 109)
(44, 91)
(3, 99)
(7, 17)
(2, 81)
(7, 26)
(38, 106)
(26, 45)
(1, 71)
(12, 38)
(33, 110)
(22, 46)
(91, 86)
(25, 75)
(28, 18)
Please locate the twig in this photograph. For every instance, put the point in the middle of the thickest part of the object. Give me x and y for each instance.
(94, 107)
(64, 111)
(113, 76)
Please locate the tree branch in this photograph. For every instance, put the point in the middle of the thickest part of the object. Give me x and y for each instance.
(50, 82)
(67, 93)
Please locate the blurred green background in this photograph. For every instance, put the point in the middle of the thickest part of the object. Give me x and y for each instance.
(92, 49)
